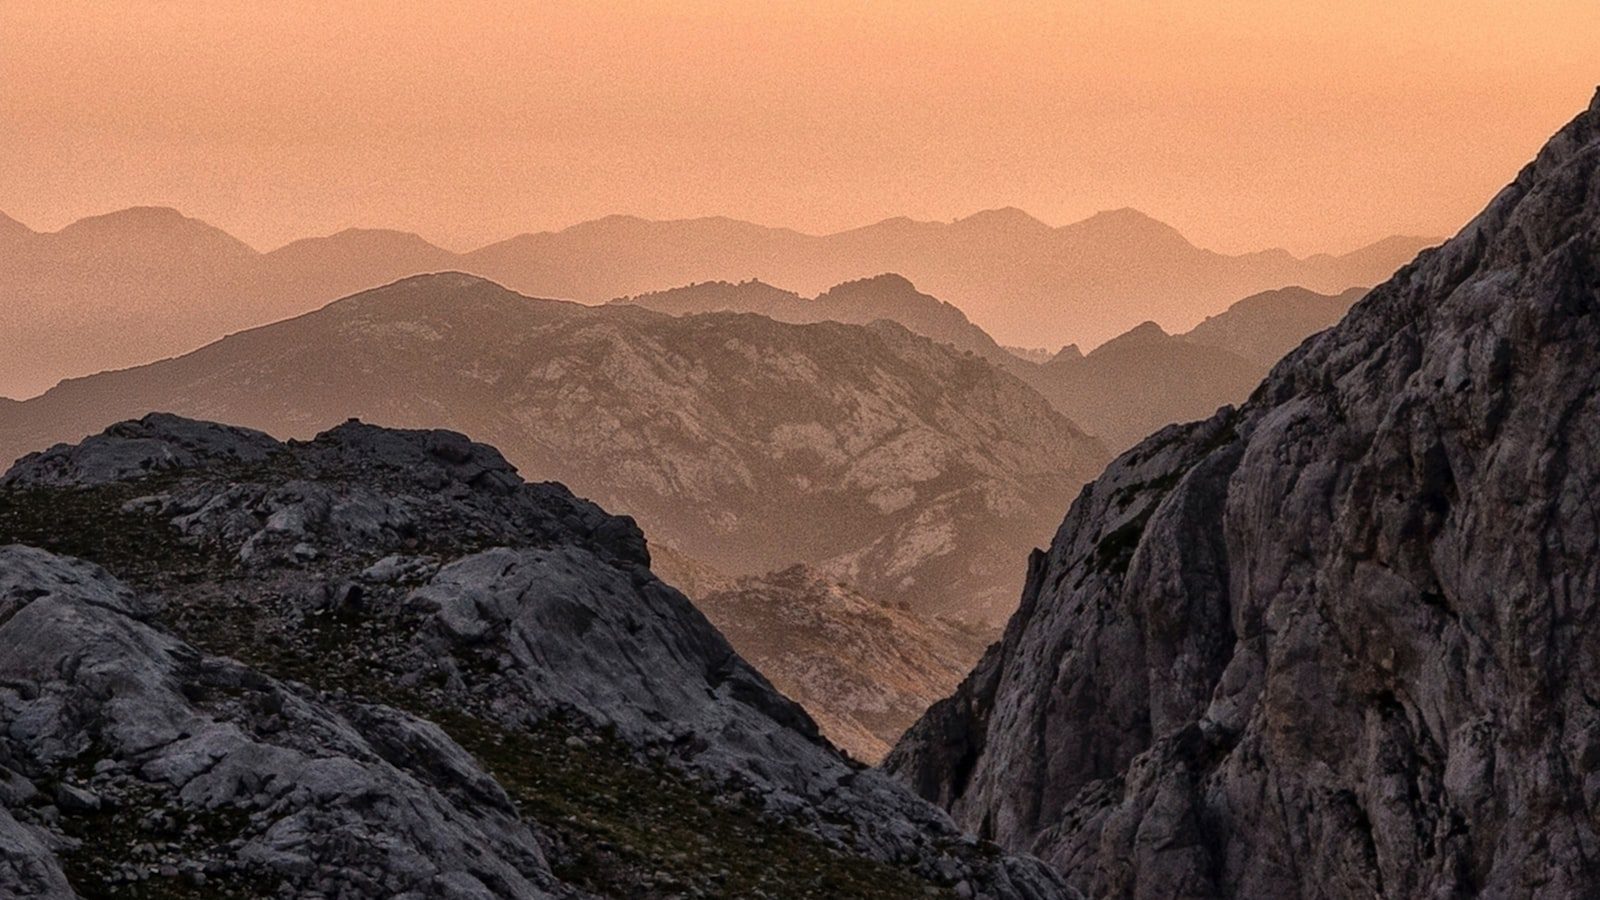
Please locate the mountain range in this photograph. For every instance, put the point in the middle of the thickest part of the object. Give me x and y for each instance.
(1146, 379)
(886, 297)
(1124, 389)
(913, 472)
(1340, 641)
(145, 283)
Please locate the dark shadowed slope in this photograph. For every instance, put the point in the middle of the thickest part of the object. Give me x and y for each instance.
(1343, 641)
(143, 284)
(913, 472)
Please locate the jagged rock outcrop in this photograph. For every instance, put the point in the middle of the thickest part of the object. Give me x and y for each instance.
(379, 663)
(113, 724)
(1341, 641)
(864, 669)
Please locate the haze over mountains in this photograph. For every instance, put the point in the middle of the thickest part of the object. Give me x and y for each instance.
(1145, 379)
(890, 297)
(911, 471)
(145, 283)
(1123, 390)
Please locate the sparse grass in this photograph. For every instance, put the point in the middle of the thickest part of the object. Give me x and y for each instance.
(623, 824)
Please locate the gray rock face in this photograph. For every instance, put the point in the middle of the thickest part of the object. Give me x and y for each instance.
(1341, 641)
(157, 443)
(121, 716)
(379, 664)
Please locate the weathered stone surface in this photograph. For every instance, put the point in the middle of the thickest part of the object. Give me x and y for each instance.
(378, 663)
(156, 443)
(1341, 641)
(90, 689)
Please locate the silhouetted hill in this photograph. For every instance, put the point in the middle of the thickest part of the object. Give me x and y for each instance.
(912, 471)
(12, 230)
(860, 302)
(1264, 327)
(143, 284)
(1145, 379)
(354, 260)
(1142, 380)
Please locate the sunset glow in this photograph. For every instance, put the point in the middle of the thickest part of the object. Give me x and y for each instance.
(1244, 124)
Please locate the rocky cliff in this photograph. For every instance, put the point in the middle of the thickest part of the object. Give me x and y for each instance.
(1342, 640)
(380, 664)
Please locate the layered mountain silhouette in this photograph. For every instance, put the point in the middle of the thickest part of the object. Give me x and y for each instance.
(1123, 390)
(888, 297)
(1145, 379)
(915, 473)
(1342, 640)
(1261, 329)
(142, 284)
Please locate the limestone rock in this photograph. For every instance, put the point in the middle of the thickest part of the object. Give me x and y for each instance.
(1340, 641)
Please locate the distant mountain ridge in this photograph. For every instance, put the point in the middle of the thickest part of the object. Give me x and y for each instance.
(1146, 379)
(137, 285)
(879, 457)
(888, 296)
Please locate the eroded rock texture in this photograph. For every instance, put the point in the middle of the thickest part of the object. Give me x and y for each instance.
(1341, 641)
(378, 663)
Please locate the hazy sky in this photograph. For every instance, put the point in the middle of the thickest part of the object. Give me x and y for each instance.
(1246, 124)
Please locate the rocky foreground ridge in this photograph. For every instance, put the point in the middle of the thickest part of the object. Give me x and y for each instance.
(1341, 641)
(379, 664)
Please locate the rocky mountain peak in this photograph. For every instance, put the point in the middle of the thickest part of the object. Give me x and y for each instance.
(1142, 335)
(159, 227)
(379, 663)
(1338, 640)
(887, 283)
(1003, 219)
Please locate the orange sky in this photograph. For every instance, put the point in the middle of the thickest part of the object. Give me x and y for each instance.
(1316, 126)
